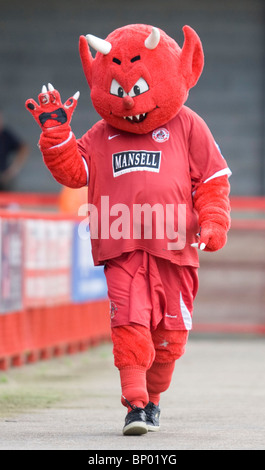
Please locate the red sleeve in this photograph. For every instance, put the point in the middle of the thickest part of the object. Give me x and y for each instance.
(84, 147)
(206, 160)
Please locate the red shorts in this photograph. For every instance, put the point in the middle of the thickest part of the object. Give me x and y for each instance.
(147, 290)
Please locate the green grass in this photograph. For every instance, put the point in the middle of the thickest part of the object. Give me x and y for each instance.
(45, 384)
(22, 401)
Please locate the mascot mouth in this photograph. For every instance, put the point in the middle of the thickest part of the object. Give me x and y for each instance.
(137, 118)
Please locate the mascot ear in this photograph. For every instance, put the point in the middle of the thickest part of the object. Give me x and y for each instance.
(192, 59)
(86, 59)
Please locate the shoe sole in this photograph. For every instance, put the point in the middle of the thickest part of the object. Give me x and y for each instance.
(152, 428)
(135, 429)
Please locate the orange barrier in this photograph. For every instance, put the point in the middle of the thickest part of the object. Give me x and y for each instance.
(45, 332)
(223, 328)
(29, 199)
(248, 203)
(46, 305)
(248, 224)
(248, 213)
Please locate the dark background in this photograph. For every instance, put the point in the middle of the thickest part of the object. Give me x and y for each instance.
(39, 44)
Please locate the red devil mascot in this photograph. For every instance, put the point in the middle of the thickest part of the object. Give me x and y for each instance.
(157, 188)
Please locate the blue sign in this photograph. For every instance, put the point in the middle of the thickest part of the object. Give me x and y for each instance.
(88, 281)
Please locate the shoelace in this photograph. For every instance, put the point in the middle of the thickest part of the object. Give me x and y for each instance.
(133, 407)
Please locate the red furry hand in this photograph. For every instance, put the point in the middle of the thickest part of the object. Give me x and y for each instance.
(50, 114)
(213, 236)
(211, 201)
(57, 142)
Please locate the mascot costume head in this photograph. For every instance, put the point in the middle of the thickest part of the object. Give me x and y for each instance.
(140, 77)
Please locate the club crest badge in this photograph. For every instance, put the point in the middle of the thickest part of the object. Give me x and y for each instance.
(160, 135)
(113, 309)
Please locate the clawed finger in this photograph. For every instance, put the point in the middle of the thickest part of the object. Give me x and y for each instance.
(72, 101)
(200, 246)
(31, 105)
(44, 96)
(76, 95)
(49, 95)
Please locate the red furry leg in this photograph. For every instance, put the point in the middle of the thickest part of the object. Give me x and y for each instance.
(133, 386)
(158, 380)
(133, 354)
(169, 346)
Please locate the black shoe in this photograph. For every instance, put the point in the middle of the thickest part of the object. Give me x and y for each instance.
(152, 412)
(135, 422)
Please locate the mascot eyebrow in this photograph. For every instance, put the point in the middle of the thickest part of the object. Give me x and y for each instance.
(134, 59)
(118, 61)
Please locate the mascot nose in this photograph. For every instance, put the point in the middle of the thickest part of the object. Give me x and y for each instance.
(128, 102)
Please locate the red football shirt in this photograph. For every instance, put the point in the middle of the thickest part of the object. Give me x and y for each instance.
(140, 187)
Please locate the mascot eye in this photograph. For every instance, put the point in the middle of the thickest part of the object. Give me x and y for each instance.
(116, 89)
(140, 87)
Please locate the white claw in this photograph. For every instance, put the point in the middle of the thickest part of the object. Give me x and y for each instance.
(44, 89)
(50, 87)
(76, 95)
(195, 245)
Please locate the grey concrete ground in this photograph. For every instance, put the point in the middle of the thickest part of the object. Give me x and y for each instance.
(216, 401)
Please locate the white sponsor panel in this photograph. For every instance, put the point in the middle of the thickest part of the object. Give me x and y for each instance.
(48, 248)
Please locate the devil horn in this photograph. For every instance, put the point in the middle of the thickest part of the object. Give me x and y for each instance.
(153, 39)
(98, 44)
